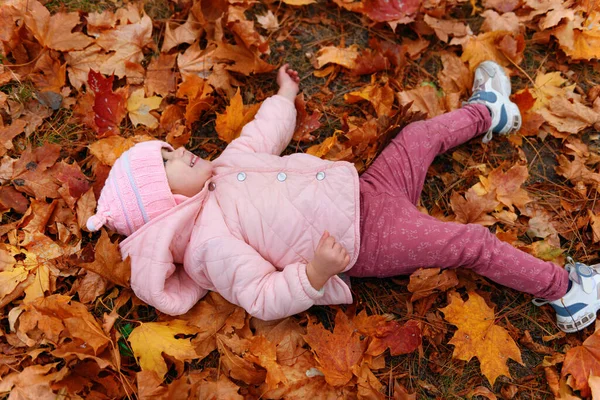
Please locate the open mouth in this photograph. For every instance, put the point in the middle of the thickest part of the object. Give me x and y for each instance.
(193, 160)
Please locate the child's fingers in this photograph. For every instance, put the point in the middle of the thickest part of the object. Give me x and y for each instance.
(323, 238)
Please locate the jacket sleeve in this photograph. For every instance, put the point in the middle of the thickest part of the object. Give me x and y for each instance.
(164, 285)
(271, 129)
(243, 277)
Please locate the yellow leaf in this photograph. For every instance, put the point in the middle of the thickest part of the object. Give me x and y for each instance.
(229, 124)
(478, 336)
(548, 86)
(346, 57)
(10, 278)
(580, 44)
(109, 149)
(381, 97)
(139, 108)
(150, 340)
(40, 284)
(483, 47)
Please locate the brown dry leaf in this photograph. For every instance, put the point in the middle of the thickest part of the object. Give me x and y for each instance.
(508, 22)
(368, 385)
(426, 281)
(108, 262)
(346, 57)
(229, 124)
(445, 28)
(304, 382)
(299, 2)
(507, 186)
(160, 77)
(149, 340)
(109, 149)
(424, 99)
(579, 43)
(548, 86)
(484, 47)
(594, 382)
(269, 21)
(583, 361)
(455, 77)
(185, 33)
(474, 209)
(336, 352)
(264, 353)
(568, 115)
(49, 74)
(57, 316)
(55, 32)
(236, 366)
(33, 382)
(244, 60)
(287, 334)
(199, 95)
(478, 336)
(127, 42)
(381, 97)
(483, 392)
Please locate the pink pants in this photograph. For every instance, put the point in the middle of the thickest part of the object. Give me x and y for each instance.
(397, 239)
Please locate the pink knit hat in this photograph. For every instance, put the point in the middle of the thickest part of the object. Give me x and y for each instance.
(135, 191)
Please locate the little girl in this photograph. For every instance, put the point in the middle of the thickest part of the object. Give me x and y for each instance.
(274, 234)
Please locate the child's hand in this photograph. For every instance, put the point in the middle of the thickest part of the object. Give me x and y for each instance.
(330, 259)
(288, 80)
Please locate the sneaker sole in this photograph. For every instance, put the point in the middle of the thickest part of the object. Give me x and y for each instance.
(591, 319)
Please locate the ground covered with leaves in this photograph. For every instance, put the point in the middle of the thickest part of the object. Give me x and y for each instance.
(81, 81)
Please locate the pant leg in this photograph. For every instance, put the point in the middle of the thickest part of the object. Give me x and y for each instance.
(397, 239)
(402, 166)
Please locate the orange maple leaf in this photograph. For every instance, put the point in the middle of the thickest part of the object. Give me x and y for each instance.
(478, 336)
(336, 352)
(229, 124)
(583, 361)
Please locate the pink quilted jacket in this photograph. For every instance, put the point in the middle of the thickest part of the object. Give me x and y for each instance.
(250, 232)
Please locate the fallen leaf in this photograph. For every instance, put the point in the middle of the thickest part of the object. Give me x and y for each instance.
(426, 281)
(185, 33)
(400, 339)
(445, 28)
(508, 186)
(455, 77)
(305, 123)
(107, 150)
(56, 31)
(583, 361)
(474, 209)
(160, 75)
(424, 99)
(381, 97)
(269, 21)
(484, 47)
(508, 22)
(346, 57)
(478, 336)
(126, 44)
(336, 352)
(229, 124)
(149, 340)
(579, 44)
(108, 262)
(109, 106)
(299, 2)
(139, 108)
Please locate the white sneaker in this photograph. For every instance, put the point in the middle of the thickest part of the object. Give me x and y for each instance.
(577, 309)
(491, 87)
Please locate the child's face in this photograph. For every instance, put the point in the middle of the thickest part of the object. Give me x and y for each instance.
(186, 172)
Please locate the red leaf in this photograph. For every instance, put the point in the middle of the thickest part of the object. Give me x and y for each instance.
(108, 106)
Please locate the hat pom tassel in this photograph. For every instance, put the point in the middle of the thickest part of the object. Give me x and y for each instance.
(95, 222)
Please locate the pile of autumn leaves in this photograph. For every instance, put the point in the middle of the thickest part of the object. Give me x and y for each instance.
(173, 75)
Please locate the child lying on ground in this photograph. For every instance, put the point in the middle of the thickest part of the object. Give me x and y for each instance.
(276, 235)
